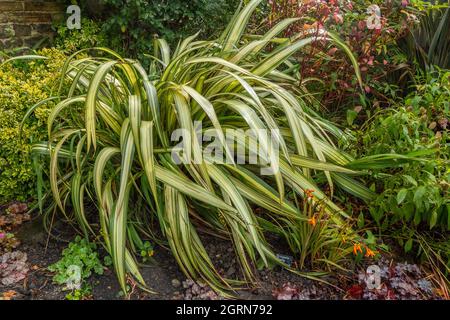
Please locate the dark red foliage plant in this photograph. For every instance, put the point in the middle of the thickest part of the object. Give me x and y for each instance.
(370, 29)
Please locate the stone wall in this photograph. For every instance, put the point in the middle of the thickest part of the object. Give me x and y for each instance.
(26, 22)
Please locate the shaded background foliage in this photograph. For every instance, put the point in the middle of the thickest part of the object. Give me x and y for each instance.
(135, 23)
(429, 43)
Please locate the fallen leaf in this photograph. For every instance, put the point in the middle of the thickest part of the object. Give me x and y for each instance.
(286, 292)
(355, 291)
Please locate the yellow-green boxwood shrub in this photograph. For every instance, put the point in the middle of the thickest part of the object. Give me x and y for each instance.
(23, 84)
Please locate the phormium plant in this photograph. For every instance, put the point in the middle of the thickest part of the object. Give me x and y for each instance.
(110, 149)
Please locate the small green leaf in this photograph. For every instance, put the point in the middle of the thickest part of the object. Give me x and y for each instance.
(360, 220)
(418, 196)
(401, 195)
(408, 245)
(448, 216)
(433, 219)
(417, 218)
(351, 116)
(410, 180)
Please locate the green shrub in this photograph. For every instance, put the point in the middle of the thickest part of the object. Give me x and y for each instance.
(430, 95)
(415, 192)
(413, 202)
(418, 191)
(80, 253)
(23, 84)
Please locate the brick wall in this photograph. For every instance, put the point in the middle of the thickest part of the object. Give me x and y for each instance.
(25, 22)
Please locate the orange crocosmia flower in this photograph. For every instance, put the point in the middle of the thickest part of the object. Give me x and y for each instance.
(370, 253)
(307, 26)
(309, 193)
(312, 221)
(356, 248)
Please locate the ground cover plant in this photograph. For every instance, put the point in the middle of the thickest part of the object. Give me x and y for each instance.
(79, 260)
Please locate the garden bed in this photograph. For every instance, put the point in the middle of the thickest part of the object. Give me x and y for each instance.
(38, 251)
